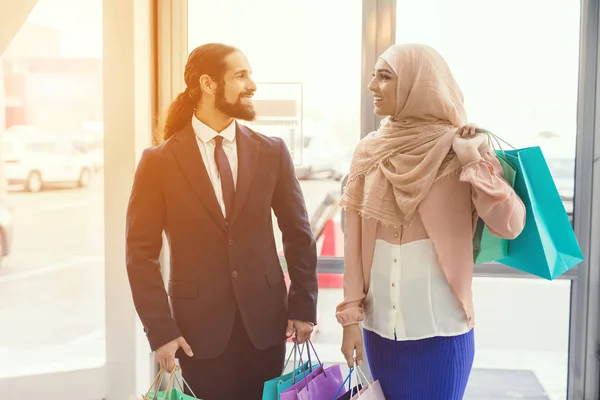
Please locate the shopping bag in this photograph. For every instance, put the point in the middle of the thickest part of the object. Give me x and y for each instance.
(352, 390)
(291, 393)
(369, 390)
(547, 247)
(273, 387)
(170, 392)
(372, 391)
(486, 246)
(324, 386)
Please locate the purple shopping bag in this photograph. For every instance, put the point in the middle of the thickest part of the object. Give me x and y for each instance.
(292, 392)
(324, 386)
(327, 378)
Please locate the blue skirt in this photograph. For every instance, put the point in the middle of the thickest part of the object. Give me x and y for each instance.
(436, 368)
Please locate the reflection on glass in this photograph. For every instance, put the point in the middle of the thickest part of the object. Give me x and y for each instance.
(307, 64)
(51, 213)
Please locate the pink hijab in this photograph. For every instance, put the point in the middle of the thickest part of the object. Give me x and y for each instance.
(394, 167)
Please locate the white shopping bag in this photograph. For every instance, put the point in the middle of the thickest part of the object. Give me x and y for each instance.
(370, 390)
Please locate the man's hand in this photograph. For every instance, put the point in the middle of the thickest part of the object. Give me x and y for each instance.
(352, 341)
(165, 355)
(303, 330)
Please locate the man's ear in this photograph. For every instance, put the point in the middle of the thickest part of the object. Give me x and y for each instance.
(207, 85)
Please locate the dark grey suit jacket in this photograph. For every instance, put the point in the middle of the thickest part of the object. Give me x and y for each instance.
(216, 266)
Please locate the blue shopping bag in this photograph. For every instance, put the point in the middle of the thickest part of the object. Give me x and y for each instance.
(547, 247)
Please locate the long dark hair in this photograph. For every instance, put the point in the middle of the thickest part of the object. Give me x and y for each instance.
(208, 59)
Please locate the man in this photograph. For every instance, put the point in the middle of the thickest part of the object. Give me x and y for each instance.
(210, 186)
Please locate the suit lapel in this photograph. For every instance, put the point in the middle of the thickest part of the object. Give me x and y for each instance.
(247, 151)
(188, 155)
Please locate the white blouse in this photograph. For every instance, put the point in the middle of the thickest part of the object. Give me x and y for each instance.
(409, 297)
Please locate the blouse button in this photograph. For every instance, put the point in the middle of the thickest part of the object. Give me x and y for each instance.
(395, 260)
(393, 284)
(396, 235)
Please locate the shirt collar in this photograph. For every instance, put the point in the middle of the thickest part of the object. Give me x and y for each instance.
(206, 133)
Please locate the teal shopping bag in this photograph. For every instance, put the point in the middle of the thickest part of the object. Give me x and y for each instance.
(486, 246)
(547, 247)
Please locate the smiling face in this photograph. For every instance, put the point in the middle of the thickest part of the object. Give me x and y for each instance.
(234, 94)
(383, 86)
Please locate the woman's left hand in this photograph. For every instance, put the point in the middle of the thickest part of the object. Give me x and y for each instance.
(467, 130)
(466, 143)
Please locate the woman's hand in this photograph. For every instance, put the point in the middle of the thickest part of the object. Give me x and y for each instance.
(466, 143)
(467, 130)
(352, 341)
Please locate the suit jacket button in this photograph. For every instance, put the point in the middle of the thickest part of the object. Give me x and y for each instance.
(234, 274)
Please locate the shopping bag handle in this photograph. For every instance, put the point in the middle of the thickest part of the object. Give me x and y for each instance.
(314, 351)
(316, 355)
(349, 380)
(360, 374)
(287, 361)
(184, 383)
(301, 361)
(158, 379)
(168, 388)
(155, 384)
(496, 138)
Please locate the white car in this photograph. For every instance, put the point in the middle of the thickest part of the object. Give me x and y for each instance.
(38, 162)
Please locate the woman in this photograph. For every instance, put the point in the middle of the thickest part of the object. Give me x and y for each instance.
(416, 189)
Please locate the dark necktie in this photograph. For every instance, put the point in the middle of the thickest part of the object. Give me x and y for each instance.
(226, 175)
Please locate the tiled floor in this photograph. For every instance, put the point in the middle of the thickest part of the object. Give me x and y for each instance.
(496, 384)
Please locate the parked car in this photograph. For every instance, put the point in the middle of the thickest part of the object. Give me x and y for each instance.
(39, 161)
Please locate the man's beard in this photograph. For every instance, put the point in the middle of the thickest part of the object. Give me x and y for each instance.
(235, 110)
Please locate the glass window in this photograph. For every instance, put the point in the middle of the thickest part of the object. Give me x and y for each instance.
(52, 216)
(519, 74)
(521, 338)
(307, 93)
(517, 71)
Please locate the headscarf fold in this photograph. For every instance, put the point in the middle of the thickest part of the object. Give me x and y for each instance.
(394, 168)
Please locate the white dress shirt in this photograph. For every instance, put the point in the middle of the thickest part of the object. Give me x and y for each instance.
(409, 297)
(205, 138)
